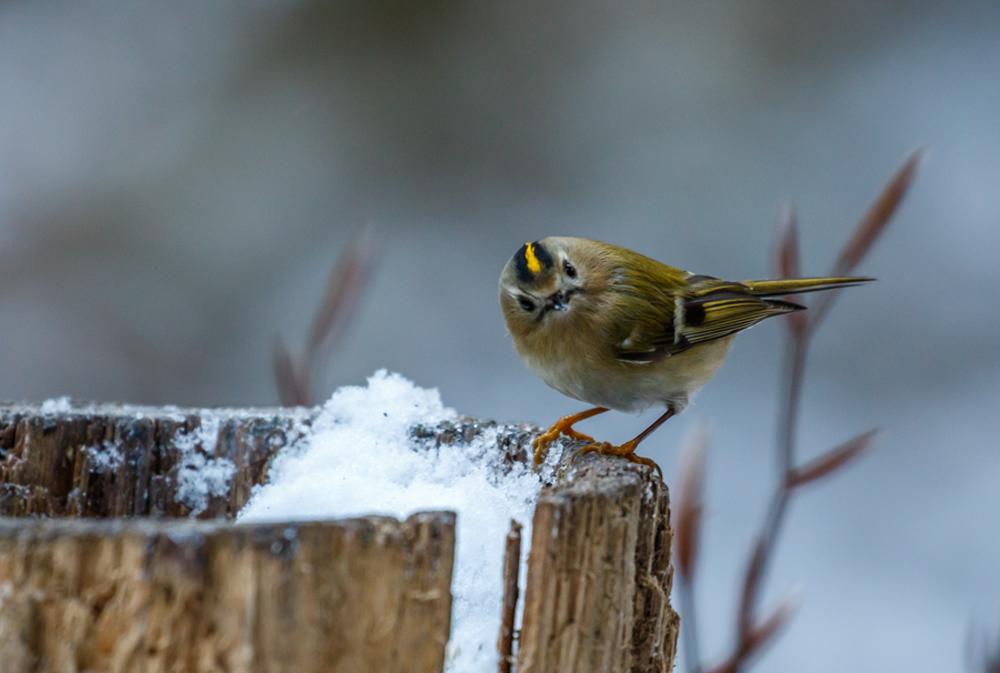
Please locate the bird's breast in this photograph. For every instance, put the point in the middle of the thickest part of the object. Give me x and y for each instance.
(583, 367)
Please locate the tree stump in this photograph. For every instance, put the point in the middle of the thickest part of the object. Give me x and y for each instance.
(163, 595)
(113, 460)
(599, 574)
(369, 594)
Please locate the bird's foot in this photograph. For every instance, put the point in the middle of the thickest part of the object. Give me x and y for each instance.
(626, 450)
(564, 426)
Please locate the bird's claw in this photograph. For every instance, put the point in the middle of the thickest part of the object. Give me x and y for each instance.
(542, 441)
(626, 450)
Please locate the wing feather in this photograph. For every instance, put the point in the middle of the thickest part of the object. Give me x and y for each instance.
(665, 311)
(708, 309)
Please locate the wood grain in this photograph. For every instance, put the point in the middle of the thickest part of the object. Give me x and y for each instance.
(599, 575)
(369, 594)
(112, 460)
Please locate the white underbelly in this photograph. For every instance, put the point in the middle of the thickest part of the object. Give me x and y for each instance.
(636, 387)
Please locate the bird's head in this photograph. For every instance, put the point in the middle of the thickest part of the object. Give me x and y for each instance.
(544, 282)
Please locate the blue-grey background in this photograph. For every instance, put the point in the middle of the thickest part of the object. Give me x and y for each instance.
(177, 179)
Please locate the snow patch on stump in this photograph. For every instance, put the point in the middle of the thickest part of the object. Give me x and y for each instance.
(361, 458)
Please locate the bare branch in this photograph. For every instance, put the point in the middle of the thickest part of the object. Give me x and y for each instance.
(751, 633)
(878, 216)
(786, 261)
(291, 391)
(687, 533)
(830, 461)
(751, 588)
(786, 257)
(982, 653)
(343, 290)
(868, 230)
(728, 666)
(689, 503)
(760, 635)
(348, 280)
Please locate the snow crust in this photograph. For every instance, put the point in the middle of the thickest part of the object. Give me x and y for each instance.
(57, 405)
(200, 474)
(104, 457)
(360, 458)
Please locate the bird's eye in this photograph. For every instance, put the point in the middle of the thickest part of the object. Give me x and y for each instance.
(569, 269)
(526, 304)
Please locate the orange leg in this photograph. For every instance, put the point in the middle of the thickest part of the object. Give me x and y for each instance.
(627, 450)
(564, 426)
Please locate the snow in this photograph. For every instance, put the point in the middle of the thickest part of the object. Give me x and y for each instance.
(104, 457)
(199, 473)
(360, 458)
(59, 405)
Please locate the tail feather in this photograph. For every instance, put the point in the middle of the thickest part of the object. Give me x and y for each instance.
(782, 306)
(775, 288)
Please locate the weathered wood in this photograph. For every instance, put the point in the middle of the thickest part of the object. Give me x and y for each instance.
(599, 573)
(369, 594)
(597, 596)
(508, 613)
(112, 460)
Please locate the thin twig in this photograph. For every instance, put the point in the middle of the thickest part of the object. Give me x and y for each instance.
(692, 656)
(291, 392)
(982, 654)
(867, 232)
(829, 462)
(688, 531)
(689, 503)
(346, 285)
(793, 376)
(786, 260)
(753, 633)
(343, 291)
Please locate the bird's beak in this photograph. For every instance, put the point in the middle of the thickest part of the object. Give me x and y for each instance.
(558, 301)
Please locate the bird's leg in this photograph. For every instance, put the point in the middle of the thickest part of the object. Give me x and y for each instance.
(564, 426)
(627, 450)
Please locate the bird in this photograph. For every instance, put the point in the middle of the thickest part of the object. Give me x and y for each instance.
(618, 330)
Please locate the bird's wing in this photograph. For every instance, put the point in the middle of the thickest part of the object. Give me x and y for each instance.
(704, 309)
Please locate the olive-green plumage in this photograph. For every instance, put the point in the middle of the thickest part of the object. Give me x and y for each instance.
(616, 329)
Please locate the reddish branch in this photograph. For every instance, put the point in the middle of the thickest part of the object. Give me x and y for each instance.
(752, 630)
(344, 289)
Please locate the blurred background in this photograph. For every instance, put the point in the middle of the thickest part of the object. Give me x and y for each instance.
(178, 179)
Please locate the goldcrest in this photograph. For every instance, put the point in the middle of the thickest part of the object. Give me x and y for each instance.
(618, 330)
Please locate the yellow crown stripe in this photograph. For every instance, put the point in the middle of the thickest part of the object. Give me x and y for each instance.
(534, 266)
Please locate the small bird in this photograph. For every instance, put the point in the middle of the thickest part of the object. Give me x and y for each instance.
(618, 330)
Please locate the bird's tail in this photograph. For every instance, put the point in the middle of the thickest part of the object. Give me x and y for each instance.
(777, 288)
